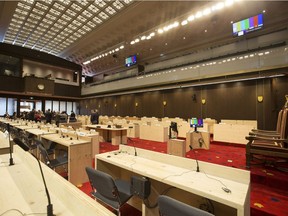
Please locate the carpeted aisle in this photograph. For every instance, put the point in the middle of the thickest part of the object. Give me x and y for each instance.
(269, 187)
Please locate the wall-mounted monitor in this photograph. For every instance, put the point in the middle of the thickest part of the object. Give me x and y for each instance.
(131, 60)
(248, 25)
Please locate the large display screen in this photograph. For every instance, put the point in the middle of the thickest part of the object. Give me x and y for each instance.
(196, 122)
(248, 25)
(131, 60)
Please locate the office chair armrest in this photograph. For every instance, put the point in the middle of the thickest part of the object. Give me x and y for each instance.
(261, 138)
(263, 131)
(264, 134)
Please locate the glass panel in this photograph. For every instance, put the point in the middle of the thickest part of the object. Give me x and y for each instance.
(69, 108)
(48, 105)
(2, 106)
(55, 106)
(9, 66)
(75, 108)
(12, 106)
(63, 106)
(38, 105)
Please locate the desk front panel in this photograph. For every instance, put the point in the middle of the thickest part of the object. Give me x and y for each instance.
(79, 156)
(4, 143)
(186, 185)
(116, 136)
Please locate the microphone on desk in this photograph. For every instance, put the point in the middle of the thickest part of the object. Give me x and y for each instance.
(11, 162)
(27, 148)
(135, 151)
(198, 169)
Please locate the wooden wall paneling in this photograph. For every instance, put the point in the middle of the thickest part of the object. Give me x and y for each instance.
(125, 105)
(216, 101)
(241, 100)
(231, 101)
(282, 90)
(175, 99)
(274, 99)
(109, 105)
(223, 101)
(181, 102)
(203, 104)
(152, 104)
(138, 109)
(11, 84)
(67, 90)
(262, 106)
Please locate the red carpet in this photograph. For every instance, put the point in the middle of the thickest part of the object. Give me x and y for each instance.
(269, 187)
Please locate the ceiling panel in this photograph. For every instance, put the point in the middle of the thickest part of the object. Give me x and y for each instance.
(109, 31)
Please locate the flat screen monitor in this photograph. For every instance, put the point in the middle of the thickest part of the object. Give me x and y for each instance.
(131, 60)
(196, 122)
(248, 25)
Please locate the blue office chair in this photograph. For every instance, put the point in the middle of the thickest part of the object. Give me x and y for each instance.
(171, 207)
(114, 193)
(52, 163)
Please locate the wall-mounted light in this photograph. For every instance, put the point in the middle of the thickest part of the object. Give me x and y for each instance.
(115, 105)
(260, 98)
(99, 106)
(164, 103)
(136, 104)
(203, 101)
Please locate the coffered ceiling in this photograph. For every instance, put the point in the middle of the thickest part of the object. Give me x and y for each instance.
(99, 35)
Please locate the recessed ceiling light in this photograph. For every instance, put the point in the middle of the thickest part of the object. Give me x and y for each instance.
(184, 22)
(191, 18)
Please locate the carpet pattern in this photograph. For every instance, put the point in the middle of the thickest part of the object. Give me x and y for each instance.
(269, 187)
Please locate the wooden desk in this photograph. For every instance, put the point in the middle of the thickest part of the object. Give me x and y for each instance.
(39, 132)
(157, 133)
(94, 139)
(22, 188)
(118, 135)
(133, 130)
(4, 143)
(25, 127)
(232, 133)
(178, 178)
(74, 125)
(192, 138)
(79, 155)
(176, 147)
(11, 122)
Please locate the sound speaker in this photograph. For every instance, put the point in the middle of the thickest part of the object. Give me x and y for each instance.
(141, 68)
(140, 186)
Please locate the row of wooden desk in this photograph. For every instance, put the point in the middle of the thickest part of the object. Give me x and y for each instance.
(117, 136)
(81, 147)
(177, 177)
(169, 174)
(22, 190)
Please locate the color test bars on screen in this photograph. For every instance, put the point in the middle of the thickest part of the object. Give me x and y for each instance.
(248, 25)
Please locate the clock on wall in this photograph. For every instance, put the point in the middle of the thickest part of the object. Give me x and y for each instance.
(40, 86)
